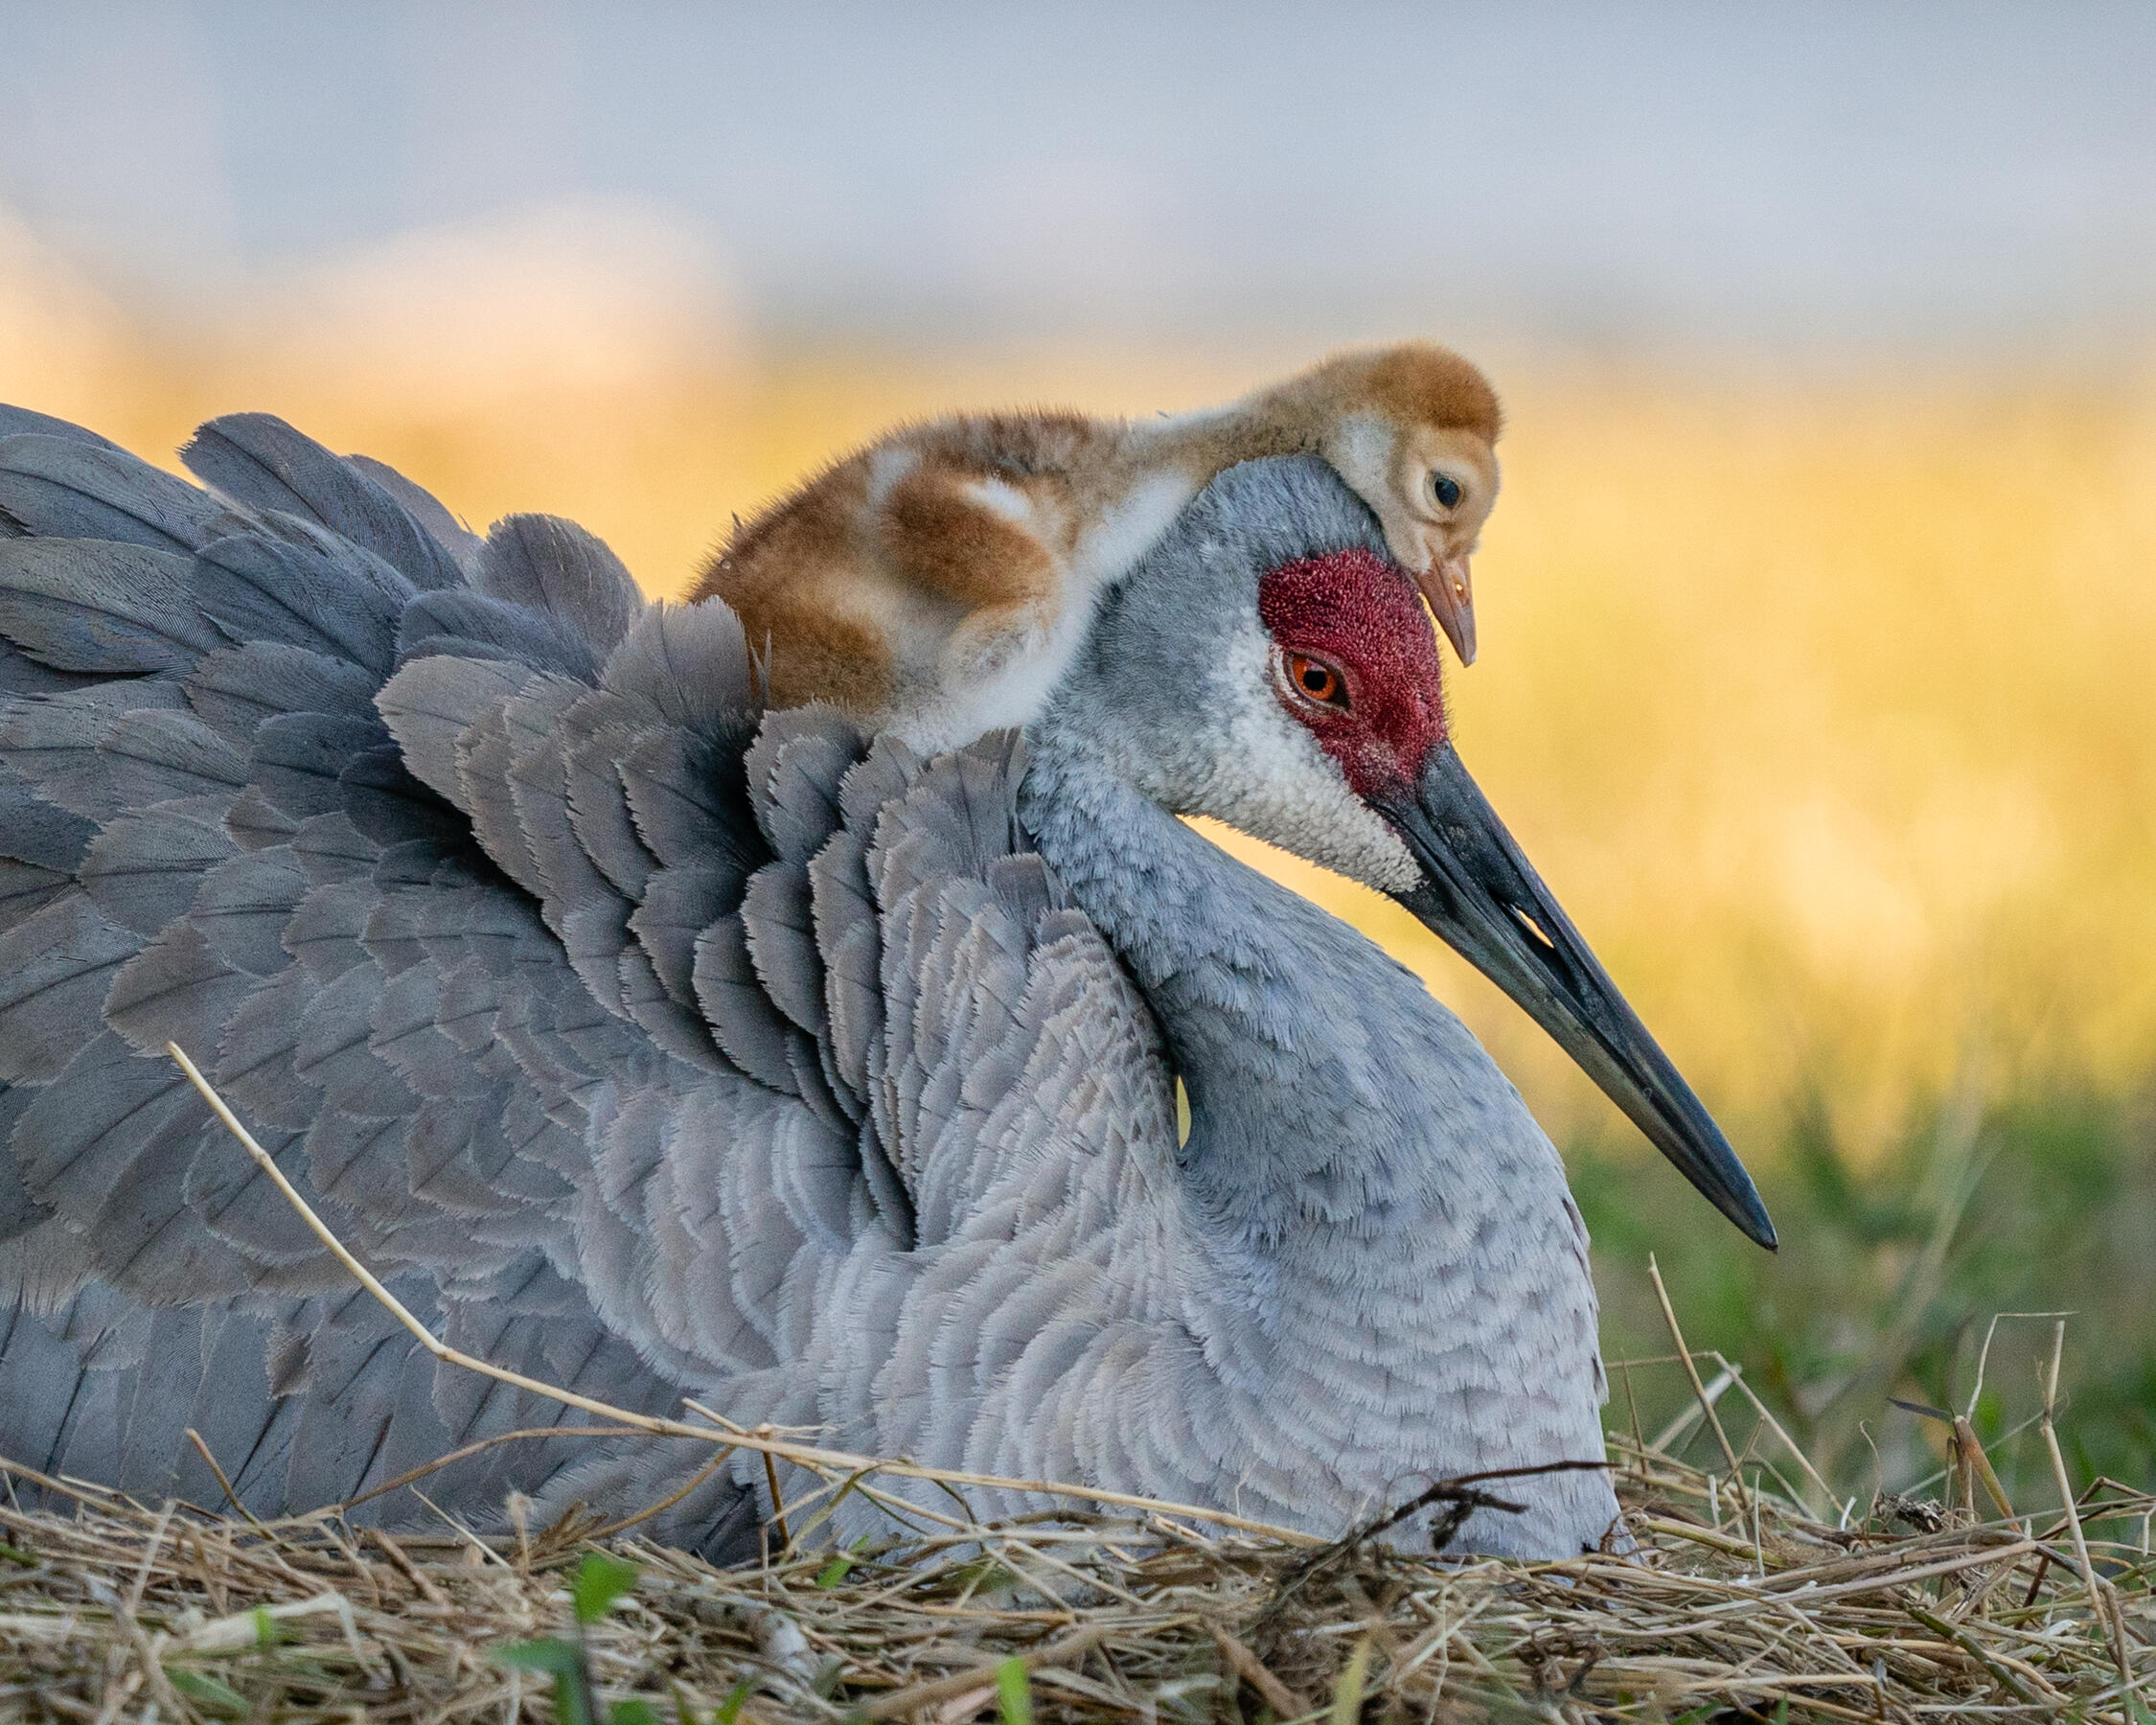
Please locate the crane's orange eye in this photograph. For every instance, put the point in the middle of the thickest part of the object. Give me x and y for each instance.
(1315, 680)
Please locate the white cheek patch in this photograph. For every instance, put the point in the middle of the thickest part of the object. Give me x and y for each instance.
(1265, 774)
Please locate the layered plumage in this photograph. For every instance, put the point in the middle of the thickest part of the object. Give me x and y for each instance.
(651, 1044)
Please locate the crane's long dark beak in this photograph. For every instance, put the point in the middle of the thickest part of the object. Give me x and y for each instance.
(1481, 896)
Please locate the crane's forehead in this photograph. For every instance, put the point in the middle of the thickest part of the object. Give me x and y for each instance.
(1361, 609)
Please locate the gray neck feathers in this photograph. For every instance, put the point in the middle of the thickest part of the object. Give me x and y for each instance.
(1335, 1106)
(1386, 1271)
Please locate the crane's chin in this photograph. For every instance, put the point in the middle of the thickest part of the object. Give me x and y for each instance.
(1481, 896)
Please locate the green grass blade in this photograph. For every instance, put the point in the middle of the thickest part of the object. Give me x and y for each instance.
(556, 1657)
(208, 1694)
(600, 1580)
(729, 1710)
(1348, 1692)
(1014, 1692)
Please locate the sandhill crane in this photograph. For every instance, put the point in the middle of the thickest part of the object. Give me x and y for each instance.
(653, 1045)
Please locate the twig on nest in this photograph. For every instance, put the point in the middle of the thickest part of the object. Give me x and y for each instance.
(1464, 1496)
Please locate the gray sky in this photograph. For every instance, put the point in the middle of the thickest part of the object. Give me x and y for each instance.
(1907, 174)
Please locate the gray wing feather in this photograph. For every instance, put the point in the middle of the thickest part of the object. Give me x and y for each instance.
(567, 878)
(235, 689)
(358, 1161)
(850, 941)
(425, 508)
(330, 848)
(326, 927)
(236, 1201)
(453, 1140)
(690, 811)
(86, 1127)
(253, 823)
(170, 989)
(52, 741)
(595, 935)
(749, 1030)
(678, 905)
(255, 588)
(256, 1058)
(690, 662)
(93, 604)
(254, 1429)
(669, 1023)
(36, 832)
(22, 675)
(332, 1053)
(385, 803)
(367, 1412)
(782, 944)
(299, 759)
(62, 488)
(474, 625)
(595, 734)
(244, 905)
(23, 421)
(795, 769)
(484, 759)
(148, 756)
(406, 1033)
(430, 704)
(688, 801)
(256, 458)
(555, 566)
(849, 918)
(26, 888)
(55, 969)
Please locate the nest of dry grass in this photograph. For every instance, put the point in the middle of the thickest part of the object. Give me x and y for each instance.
(1736, 1600)
(1749, 1592)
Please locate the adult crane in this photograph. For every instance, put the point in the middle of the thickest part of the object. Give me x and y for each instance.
(653, 1045)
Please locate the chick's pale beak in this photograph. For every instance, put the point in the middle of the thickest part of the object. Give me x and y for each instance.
(1450, 593)
(1481, 896)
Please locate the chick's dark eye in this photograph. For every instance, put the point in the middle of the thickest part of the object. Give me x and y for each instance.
(1445, 489)
(1317, 680)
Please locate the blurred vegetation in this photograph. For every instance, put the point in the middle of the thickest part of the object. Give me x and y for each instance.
(1888, 1280)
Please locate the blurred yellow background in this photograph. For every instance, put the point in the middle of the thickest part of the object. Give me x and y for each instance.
(1827, 708)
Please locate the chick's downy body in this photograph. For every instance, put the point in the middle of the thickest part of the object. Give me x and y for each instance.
(936, 582)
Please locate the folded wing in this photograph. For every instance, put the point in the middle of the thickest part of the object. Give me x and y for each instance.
(643, 1043)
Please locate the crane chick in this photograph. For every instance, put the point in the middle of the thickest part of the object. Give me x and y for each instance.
(937, 581)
